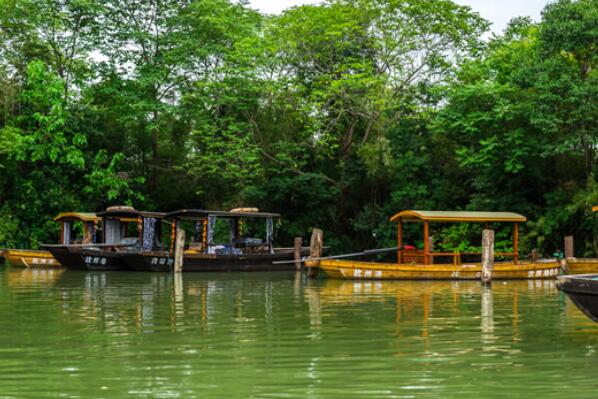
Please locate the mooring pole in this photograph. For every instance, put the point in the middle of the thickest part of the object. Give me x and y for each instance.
(297, 252)
(179, 248)
(315, 251)
(487, 256)
(569, 252)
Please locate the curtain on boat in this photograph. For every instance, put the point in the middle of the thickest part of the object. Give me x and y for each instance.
(198, 226)
(91, 226)
(269, 233)
(112, 231)
(233, 230)
(211, 226)
(149, 233)
(66, 233)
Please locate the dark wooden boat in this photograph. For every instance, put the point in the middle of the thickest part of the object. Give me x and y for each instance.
(203, 252)
(163, 261)
(87, 257)
(106, 252)
(582, 289)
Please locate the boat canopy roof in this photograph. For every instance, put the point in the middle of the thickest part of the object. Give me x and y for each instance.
(126, 212)
(457, 216)
(76, 216)
(202, 213)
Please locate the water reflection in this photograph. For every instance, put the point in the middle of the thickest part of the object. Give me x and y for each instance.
(260, 335)
(439, 306)
(30, 277)
(487, 315)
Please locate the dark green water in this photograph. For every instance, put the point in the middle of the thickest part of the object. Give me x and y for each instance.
(262, 335)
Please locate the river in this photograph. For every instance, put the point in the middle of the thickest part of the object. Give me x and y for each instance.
(278, 335)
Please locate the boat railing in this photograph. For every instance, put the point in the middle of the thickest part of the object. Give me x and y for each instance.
(421, 257)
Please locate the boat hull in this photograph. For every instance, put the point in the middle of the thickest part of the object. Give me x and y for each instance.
(582, 265)
(195, 262)
(347, 269)
(78, 258)
(583, 291)
(31, 258)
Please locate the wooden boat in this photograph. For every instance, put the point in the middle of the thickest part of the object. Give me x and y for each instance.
(582, 265)
(413, 264)
(204, 254)
(30, 258)
(105, 253)
(583, 291)
(43, 258)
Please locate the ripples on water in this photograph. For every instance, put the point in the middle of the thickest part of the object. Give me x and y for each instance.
(261, 335)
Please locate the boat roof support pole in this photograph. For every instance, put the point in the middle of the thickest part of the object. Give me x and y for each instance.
(140, 229)
(173, 229)
(400, 241)
(62, 233)
(426, 242)
(516, 243)
(204, 236)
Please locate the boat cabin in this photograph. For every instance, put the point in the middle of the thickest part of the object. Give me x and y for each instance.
(68, 225)
(126, 226)
(426, 256)
(238, 242)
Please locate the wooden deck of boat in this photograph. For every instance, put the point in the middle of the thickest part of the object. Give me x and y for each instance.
(351, 269)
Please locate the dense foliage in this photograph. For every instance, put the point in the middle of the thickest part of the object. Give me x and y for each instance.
(336, 115)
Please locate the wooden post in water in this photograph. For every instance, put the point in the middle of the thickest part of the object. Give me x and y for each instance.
(487, 256)
(569, 253)
(297, 253)
(315, 250)
(179, 248)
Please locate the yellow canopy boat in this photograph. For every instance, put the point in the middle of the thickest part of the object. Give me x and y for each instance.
(414, 264)
(44, 259)
(583, 265)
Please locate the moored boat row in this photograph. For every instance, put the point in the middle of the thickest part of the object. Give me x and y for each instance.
(123, 238)
(136, 240)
